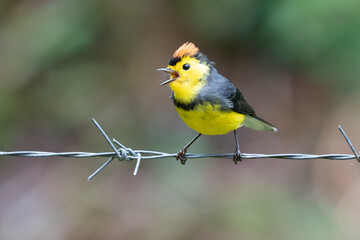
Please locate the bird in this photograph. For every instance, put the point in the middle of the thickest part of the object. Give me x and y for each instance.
(206, 100)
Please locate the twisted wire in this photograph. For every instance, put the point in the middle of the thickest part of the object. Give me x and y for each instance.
(127, 154)
(148, 155)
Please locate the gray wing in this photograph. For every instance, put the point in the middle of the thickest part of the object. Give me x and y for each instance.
(240, 104)
(218, 90)
(251, 120)
(221, 90)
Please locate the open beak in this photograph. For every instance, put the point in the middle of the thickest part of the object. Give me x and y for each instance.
(174, 75)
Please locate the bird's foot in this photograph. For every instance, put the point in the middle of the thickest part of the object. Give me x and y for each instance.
(237, 156)
(182, 156)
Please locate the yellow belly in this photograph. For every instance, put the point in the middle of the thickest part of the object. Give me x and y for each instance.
(209, 120)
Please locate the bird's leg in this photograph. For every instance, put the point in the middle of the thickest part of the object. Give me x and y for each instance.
(237, 154)
(182, 153)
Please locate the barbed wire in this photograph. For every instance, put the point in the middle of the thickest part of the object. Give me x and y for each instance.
(123, 153)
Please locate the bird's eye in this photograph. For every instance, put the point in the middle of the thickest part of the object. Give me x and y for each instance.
(186, 66)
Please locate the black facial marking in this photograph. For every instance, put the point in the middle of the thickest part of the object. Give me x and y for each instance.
(173, 61)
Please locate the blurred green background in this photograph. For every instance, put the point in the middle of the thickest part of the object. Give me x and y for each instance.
(64, 62)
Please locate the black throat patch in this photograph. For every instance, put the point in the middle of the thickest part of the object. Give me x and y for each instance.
(185, 106)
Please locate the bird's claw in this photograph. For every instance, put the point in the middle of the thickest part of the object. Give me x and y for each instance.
(237, 156)
(182, 156)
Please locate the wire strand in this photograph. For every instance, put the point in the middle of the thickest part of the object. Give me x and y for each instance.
(124, 153)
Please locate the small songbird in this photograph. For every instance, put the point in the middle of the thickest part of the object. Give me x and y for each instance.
(207, 101)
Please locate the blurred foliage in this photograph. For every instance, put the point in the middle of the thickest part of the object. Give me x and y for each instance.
(221, 22)
(322, 37)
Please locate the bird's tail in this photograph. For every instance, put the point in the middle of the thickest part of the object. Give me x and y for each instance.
(257, 123)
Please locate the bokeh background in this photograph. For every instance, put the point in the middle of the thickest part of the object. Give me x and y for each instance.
(64, 62)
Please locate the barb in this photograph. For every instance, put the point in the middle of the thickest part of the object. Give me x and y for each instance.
(121, 156)
(349, 142)
(124, 153)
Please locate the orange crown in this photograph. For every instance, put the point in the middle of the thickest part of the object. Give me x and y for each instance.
(187, 48)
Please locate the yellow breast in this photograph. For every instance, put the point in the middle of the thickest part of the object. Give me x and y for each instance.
(208, 119)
